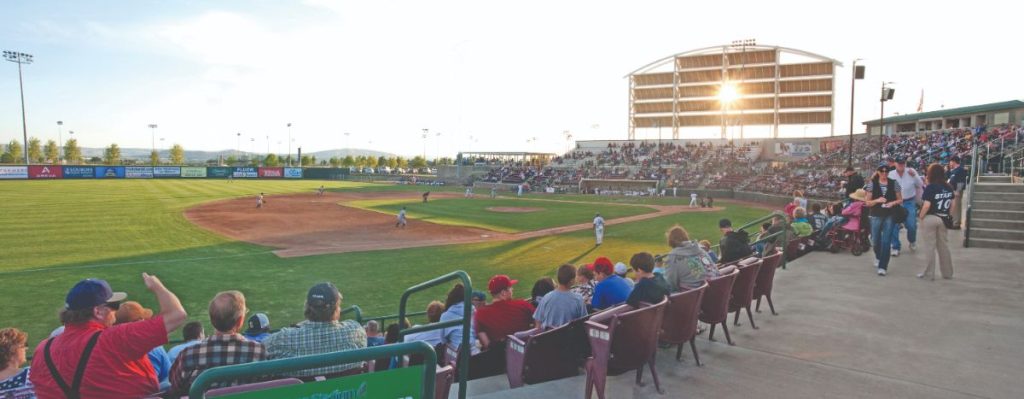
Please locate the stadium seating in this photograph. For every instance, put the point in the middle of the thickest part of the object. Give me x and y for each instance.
(743, 289)
(533, 357)
(766, 279)
(621, 339)
(714, 307)
(679, 324)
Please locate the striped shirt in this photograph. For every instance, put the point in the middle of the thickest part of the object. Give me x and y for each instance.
(214, 351)
(311, 338)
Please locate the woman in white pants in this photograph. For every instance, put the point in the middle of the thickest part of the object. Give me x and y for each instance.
(934, 216)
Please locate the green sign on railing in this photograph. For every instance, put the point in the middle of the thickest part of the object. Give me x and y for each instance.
(403, 383)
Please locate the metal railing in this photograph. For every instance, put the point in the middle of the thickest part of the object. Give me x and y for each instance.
(757, 223)
(464, 347)
(277, 367)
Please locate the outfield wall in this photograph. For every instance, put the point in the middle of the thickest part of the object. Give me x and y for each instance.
(51, 172)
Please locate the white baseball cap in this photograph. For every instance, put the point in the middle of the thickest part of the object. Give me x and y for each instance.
(620, 268)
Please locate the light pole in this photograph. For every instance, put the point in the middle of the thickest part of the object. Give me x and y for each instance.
(348, 148)
(858, 73)
(238, 147)
(252, 148)
(289, 144)
(887, 94)
(437, 147)
(21, 58)
(568, 137)
(152, 131)
(60, 144)
(425, 132)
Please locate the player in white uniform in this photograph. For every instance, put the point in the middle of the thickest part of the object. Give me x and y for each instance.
(469, 192)
(494, 192)
(598, 229)
(693, 200)
(520, 193)
(320, 191)
(401, 218)
(259, 201)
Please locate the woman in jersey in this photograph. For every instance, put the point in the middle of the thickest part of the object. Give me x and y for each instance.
(935, 218)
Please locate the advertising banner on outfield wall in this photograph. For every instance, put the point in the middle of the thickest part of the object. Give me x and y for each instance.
(245, 173)
(110, 172)
(13, 172)
(272, 172)
(45, 172)
(167, 171)
(193, 171)
(325, 173)
(138, 172)
(219, 171)
(292, 173)
(79, 172)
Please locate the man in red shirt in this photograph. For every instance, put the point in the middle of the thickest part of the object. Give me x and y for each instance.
(503, 316)
(116, 365)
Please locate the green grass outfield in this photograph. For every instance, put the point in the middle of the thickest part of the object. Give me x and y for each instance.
(473, 212)
(55, 233)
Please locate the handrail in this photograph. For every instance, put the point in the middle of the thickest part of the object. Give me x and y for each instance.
(784, 233)
(276, 367)
(354, 309)
(972, 180)
(464, 349)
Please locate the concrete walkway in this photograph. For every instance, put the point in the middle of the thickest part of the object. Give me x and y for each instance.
(844, 332)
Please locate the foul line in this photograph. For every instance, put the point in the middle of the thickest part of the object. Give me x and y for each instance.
(140, 262)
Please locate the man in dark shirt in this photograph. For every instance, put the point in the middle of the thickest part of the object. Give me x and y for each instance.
(650, 287)
(734, 245)
(854, 181)
(957, 178)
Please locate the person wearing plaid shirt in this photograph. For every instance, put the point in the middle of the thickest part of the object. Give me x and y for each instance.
(321, 332)
(226, 347)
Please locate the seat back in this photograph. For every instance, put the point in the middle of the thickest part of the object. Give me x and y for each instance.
(743, 288)
(629, 338)
(545, 356)
(257, 386)
(679, 324)
(714, 306)
(443, 383)
(766, 276)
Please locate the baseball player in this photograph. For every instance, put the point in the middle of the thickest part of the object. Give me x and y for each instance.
(598, 229)
(693, 200)
(469, 192)
(520, 193)
(425, 195)
(494, 192)
(320, 192)
(401, 218)
(259, 201)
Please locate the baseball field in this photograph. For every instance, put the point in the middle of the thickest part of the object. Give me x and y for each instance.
(205, 236)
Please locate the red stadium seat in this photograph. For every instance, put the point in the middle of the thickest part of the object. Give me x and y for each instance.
(766, 279)
(533, 357)
(714, 307)
(679, 324)
(622, 339)
(743, 289)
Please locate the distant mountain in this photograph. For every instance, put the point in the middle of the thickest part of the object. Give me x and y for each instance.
(142, 154)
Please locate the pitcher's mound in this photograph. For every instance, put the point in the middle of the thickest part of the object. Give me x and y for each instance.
(513, 209)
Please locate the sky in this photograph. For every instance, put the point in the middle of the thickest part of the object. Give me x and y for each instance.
(480, 75)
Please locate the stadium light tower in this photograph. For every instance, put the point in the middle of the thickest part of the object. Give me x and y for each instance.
(152, 134)
(289, 144)
(425, 132)
(887, 94)
(858, 73)
(348, 149)
(21, 58)
(238, 147)
(60, 139)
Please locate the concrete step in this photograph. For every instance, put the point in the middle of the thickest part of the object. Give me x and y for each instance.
(994, 179)
(998, 234)
(997, 214)
(997, 224)
(998, 205)
(998, 188)
(997, 196)
(994, 243)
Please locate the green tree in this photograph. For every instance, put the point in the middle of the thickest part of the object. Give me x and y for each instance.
(52, 151)
(313, 159)
(14, 148)
(95, 160)
(323, 162)
(348, 161)
(371, 162)
(231, 161)
(360, 161)
(307, 160)
(177, 155)
(6, 158)
(271, 160)
(35, 150)
(382, 161)
(402, 162)
(392, 162)
(112, 155)
(335, 162)
(418, 162)
(72, 152)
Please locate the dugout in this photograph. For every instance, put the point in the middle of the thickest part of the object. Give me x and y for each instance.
(618, 186)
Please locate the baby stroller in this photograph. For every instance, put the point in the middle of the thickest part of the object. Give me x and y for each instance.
(857, 242)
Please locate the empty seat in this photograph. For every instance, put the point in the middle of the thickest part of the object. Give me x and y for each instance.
(623, 338)
(765, 281)
(714, 306)
(743, 289)
(257, 386)
(484, 364)
(533, 357)
(679, 323)
(443, 382)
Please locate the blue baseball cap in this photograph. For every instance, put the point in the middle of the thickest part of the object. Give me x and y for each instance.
(91, 292)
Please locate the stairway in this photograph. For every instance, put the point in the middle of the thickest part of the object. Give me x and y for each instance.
(997, 218)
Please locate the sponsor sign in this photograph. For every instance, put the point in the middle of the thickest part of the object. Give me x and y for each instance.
(110, 172)
(13, 172)
(325, 173)
(193, 171)
(793, 149)
(293, 173)
(830, 145)
(245, 172)
(272, 172)
(402, 383)
(45, 172)
(138, 172)
(79, 172)
(167, 171)
(219, 171)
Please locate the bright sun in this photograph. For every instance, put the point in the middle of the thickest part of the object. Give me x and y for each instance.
(728, 93)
